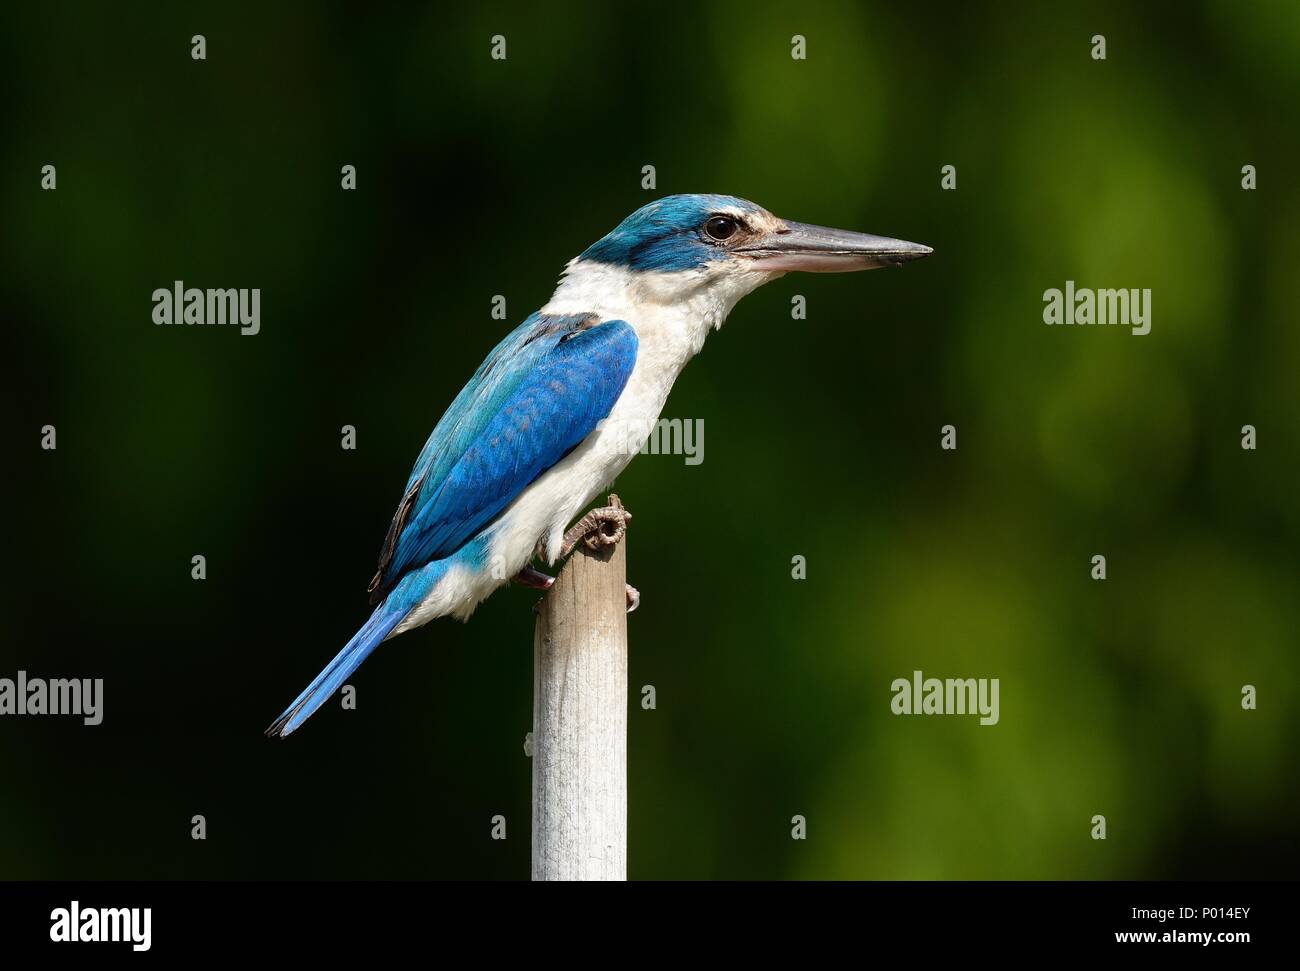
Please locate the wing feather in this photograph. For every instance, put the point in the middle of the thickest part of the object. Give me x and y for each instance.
(540, 392)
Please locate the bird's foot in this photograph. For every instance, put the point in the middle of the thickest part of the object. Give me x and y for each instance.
(528, 577)
(600, 528)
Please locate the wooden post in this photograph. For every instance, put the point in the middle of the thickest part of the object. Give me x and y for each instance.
(580, 720)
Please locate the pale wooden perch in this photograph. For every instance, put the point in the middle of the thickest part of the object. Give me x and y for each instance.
(580, 719)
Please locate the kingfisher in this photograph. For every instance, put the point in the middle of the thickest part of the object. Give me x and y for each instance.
(563, 403)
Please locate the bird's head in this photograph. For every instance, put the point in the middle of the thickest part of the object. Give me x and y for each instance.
(679, 246)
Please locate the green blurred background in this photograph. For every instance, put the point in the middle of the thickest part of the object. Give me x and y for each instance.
(479, 177)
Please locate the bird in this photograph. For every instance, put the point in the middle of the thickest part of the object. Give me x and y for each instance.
(553, 413)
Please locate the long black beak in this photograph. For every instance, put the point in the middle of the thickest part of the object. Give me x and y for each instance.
(819, 249)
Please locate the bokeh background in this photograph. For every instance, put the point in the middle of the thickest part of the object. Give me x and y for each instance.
(479, 177)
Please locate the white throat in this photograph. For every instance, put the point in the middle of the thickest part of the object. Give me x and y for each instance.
(672, 312)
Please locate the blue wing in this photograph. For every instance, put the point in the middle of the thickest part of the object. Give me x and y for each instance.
(540, 392)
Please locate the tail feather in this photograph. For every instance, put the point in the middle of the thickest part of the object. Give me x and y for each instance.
(370, 636)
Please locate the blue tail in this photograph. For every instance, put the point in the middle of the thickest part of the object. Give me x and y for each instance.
(381, 623)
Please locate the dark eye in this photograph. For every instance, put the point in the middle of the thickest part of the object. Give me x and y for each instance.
(721, 227)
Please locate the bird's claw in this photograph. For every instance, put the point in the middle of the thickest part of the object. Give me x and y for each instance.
(600, 528)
